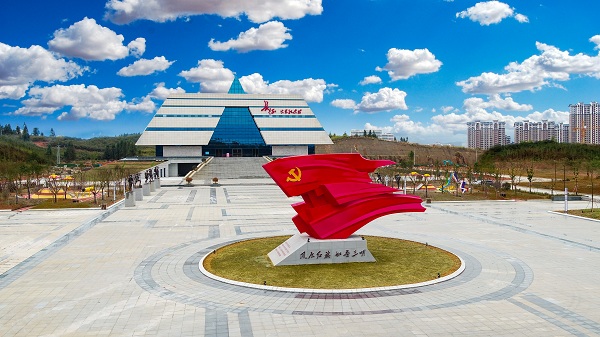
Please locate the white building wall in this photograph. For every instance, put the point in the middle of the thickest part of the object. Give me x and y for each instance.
(182, 151)
(290, 150)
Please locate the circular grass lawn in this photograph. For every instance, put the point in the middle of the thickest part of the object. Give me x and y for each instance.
(399, 262)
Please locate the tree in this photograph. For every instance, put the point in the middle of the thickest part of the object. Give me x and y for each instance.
(18, 130)
(530, 176)
(7, 130)
(514, 170)
(36, 132)
(49, 151)
(52, 134)
(70, 152)
(53, 184)
(25, 133)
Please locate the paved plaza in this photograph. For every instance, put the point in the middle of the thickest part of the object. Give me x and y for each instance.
(130, 271)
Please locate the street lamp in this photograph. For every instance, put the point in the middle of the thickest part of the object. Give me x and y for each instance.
(426, 175)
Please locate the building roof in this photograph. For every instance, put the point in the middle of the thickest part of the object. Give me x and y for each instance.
(191, 119)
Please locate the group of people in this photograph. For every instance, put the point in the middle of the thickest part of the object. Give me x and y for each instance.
(134, 179)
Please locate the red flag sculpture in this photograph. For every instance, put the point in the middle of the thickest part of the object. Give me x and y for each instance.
(339, 196)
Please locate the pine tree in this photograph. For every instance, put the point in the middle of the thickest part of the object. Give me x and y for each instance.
(52, 134)
(36, 132)
(25, 133)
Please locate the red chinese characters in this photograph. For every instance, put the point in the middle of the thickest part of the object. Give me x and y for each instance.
(271, 111)
(339, 196)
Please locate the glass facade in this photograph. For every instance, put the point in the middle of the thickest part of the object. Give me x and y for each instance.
(236, 133)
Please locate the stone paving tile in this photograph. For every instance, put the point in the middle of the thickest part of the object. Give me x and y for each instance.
(133, 271)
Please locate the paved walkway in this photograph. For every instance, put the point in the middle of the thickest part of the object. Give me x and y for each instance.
(133, 271)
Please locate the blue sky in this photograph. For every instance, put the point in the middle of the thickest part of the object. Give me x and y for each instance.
(419, 69)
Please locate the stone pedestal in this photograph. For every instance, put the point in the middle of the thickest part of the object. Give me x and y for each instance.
(156, 183)
(129, 199)
(302, 249)
(146, 189)
(137, 191)
(152, 186)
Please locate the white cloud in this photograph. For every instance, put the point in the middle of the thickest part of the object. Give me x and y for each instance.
(521, 18)
(268, 36)
(495, 101)
(373, 79)
(126, 11)
(384, 129)
(447, 109)
(385, 99)
(348, 104)
(403, 63)
(535, 72)
(160, 92)
(491, 12)
(145, 105)
(21, 67)
(137, 47)
(211, 75)
(310, 89)
(596, 39)
(145, 67)
(550, 115)
(85, 102)
(89, 41)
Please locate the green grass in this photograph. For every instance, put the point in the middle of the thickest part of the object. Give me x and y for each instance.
(586, 213)
(398, 262)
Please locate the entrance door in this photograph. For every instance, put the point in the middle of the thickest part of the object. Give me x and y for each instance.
(236, 152)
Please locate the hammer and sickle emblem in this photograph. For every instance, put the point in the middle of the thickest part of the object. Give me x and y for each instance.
(295, 175)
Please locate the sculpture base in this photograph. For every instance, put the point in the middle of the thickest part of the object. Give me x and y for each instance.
(303, 249)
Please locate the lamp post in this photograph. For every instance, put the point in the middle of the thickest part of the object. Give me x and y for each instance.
(426, 175)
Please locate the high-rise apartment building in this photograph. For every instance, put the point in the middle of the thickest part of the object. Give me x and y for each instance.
(527, 131)
(585, 123)
(483, 135)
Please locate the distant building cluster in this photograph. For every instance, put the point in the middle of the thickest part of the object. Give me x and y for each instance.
(375, 132)
(527, 131)
(483, 135)
(583, 127)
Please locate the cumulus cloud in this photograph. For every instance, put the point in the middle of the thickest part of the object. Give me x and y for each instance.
(211, 74)
(84, 102)
(90, 41)
(145, 105)
(491, 12)
(268, 36)
(348, 104)
(385, 99)
(310, 89)
(373, 79)
(495, 102)
(161, 92)
(21, 67)
(137, 47)
(403, 63)
(145, 67)
(535, 72)
(126, 11)
(596, 39)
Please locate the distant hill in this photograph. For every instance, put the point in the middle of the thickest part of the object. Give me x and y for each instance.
(13, 148)
(543, 151)
(399, 151)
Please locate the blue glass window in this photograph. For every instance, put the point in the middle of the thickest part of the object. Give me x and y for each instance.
(236, 127)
